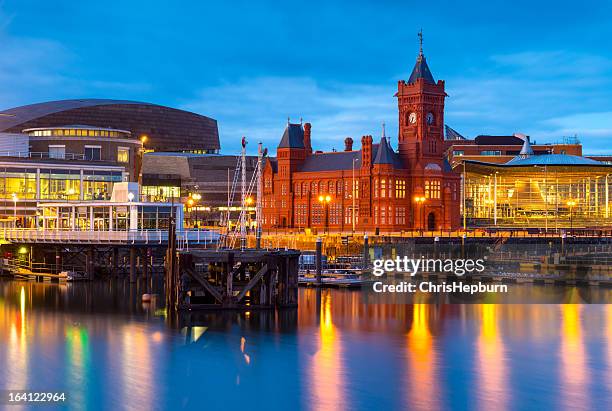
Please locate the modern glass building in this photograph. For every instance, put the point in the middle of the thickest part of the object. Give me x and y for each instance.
(550, 191)
(24, 183)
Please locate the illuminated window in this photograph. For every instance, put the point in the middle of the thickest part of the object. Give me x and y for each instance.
(400, 189)
(400, 215)
(432, 189)
(123, 155)
(383, 191)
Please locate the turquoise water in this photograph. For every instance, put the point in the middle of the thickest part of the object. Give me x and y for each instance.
(108, 351)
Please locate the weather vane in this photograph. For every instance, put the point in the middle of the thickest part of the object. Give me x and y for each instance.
(420, 34)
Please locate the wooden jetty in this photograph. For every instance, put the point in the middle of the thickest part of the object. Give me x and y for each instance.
(232, 279)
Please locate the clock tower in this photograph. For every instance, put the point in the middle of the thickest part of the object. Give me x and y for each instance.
(420, 103)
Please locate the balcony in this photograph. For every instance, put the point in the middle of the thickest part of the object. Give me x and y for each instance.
(46, 155)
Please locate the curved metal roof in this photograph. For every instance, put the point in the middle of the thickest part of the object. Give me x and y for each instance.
(553, 160)
(167, 128)
(14, 116)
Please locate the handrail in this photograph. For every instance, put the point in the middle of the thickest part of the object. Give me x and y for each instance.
(186, 237)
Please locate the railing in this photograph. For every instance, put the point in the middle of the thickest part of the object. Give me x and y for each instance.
(45, 155)
(33, 235)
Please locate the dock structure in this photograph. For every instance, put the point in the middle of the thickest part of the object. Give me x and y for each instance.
(232, 279)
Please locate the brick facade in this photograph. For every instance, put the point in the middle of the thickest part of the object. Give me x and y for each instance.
(385, 189)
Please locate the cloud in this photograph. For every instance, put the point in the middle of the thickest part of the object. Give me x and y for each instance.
(35, 69)
(259, 107)
(547, 95)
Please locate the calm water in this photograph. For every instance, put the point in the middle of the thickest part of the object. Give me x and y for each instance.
(108, 351)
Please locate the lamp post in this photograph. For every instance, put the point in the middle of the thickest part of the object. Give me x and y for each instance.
(249, 202)
(325, 200)
(420, 200)
(353, 196)
(571, 204)
(196, 197)
(14, 197)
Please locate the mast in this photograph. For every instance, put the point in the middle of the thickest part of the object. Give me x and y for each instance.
(259, 199)
(243, 196)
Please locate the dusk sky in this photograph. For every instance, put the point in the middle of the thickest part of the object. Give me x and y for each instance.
(541, 68)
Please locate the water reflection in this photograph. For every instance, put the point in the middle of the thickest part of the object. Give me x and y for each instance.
(326, 369)
(423, 381)
(109, 351)
(574, 371)
(491, 362)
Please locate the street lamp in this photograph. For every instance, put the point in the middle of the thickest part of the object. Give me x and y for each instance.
(195, 197)
(419, 200)
(571, 204)
(325, 200)
(353, 195)
(14, 196)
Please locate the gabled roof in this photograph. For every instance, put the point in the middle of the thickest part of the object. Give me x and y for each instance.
(273, 163)
(293, 137)
(421, 70)
(386, 155)
(340, 160)
(451, 134)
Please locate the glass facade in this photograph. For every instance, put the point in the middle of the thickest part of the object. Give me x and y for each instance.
(18, 181)
(57, 184)
(104, 218)
(552, 197)
(161, 193)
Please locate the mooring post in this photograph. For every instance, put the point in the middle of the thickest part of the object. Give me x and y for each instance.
(89, 263)
(319, 258)
(132, 264)
(58, 260)
(366, 252)
(145, 262)
(436, 241)
(115, 261)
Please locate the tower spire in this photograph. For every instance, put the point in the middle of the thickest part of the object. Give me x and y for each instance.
(383, 130)
(420, 34)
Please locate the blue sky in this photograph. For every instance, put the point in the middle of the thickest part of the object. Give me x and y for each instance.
(538, 67)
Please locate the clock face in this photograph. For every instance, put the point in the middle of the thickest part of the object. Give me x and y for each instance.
(412, 118)
(430, 118)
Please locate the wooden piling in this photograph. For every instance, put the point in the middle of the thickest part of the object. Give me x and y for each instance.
(132, 264)
(238, 279)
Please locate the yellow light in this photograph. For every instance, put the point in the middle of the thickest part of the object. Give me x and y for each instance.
(571, 203)
(23, 250)
(321, 199)
(327, 198)
(196, 196)
(70, 191)
(249, 200)
(190, 202)
(144, 138)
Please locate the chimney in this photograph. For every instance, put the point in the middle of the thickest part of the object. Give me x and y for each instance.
(348, 144)
(307, 143)
(366, 151)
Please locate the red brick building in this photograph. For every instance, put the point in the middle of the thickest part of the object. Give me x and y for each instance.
(376, 186)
